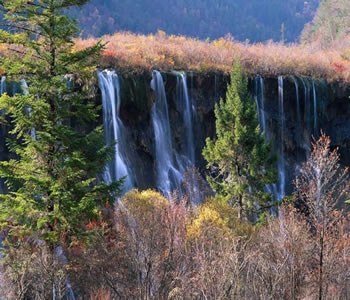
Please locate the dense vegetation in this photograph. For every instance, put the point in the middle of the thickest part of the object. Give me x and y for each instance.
(132, 53)
(52, 183)
(63, 227)
(331, 25)
(255, 20)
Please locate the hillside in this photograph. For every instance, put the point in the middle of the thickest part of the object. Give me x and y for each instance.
(331, 25)
(255, 20)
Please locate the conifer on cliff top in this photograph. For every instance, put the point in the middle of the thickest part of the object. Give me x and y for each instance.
(239, 158)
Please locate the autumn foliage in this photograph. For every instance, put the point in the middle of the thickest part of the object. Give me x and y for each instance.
(129, 52)
(149, 247)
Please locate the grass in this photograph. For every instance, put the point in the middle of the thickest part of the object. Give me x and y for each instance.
(132, 53)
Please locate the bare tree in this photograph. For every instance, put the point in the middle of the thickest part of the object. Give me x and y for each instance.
(278, 268)
(216, 257)
(141, 254)
(321, 186)
(30, 271)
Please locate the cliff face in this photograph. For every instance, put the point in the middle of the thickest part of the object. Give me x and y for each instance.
(308, 107)
(137, 99)
(291, 111)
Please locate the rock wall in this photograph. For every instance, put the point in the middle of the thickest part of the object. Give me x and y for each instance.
(137, 98)
(332, 113)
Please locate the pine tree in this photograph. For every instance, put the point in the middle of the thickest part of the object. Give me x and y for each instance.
(52, 177)
(239, 158)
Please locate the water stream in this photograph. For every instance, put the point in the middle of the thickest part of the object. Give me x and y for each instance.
(281, 158)
(168, 174)
(114, 130)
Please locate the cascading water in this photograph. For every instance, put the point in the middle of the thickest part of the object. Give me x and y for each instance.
(168, 175)
(299, 127)
(3, 85)
(260, 103)
(307, 113)
(114, 129)
(281, 159)
(185, 105)
(216, 85)
(25, 91)
(315, 107)
(188, 161)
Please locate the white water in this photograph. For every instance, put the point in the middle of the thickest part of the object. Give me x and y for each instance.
(260, 101)
(298, 112)
(3, 85)
(25, 91)
(62, 259)
(184, 103)
(169, 176)
(315, 108)
(307, 117)
(186, 107)
(281, 159)
(114, 130)
(216, 85)
(299, 125)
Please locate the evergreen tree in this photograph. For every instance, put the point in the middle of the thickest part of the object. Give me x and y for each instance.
(52, 178)
(239, 158)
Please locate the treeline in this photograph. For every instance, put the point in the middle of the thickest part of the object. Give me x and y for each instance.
(131, 53)
(150, 247)
(330, 26)
(68, 234)
(254, 20)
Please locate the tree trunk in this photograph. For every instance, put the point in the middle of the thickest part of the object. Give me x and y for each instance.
(320, 279)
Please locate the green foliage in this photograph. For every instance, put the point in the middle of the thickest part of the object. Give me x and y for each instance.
(239, 159)
(52, 178)
(330, 24)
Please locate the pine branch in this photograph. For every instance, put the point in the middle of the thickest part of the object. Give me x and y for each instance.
(24, 53)
(20, 28)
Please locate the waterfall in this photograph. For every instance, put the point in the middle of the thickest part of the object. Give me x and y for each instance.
(3, 85)
(192, 83)
(260, 103)
(114, 130)
(281, 160)
(25, 91)
(297, 105)
(307, 114)
(299, 128)
(257, 100)
(24, 87)
(62, 259)
(216, 85)
(185, 105)
(315, 107)
(168, 175)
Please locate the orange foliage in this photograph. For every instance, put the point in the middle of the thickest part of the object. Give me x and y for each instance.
(131, 53)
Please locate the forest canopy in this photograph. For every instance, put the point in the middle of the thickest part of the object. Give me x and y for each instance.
(255, 20)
